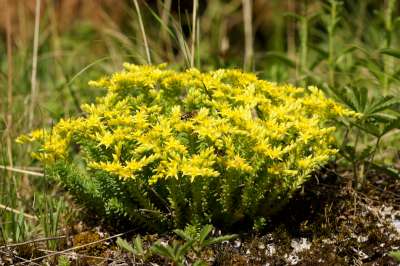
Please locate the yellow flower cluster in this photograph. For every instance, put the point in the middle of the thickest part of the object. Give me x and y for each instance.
(157, 124)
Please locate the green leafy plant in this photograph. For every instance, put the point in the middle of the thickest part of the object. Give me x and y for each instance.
(200, 239)
(379, 116)
(16, 229)
(195, 239)
(50, 219)
(14, 224)
(395, 255)
(163, 148)
(136, 249)
(63, 261)
(175, 252)
(362, 75)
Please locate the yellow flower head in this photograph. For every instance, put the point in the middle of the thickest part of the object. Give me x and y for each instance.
(156, 124)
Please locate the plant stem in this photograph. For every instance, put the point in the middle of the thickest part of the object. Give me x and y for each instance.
(372, 157)
(9, 86)
(166, 12)
(194, 29)
(355, 160)
(388, 61)
(331, 41)
(198, 57)
(34, 63)
(291, 30)
(248, 35)
(146, 45)
(303, 43)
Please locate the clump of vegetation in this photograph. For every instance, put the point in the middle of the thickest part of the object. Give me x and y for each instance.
(194, 240)
(164, 148)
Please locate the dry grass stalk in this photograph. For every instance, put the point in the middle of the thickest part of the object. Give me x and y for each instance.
(74, 254)
(9, 86)
(34, 241)
(77, 247)
(194, 29)
(146, 45)
(7, 208)
(165, 14)
(9, 253)
(248, 34)
(22, 171)
(34, 63)
(291, 30)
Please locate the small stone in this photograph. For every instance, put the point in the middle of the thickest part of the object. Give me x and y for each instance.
(396, 224)
(270, 250)
(362, 239)
(300, 245)
(237, 243)
(292, 259)
(163, 243)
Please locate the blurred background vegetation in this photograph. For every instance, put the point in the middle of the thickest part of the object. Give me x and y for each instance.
(50, 49)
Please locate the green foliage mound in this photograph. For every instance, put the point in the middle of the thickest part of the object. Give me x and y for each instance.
(164, 148)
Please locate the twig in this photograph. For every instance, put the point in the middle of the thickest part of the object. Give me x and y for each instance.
(150, 211)
(7, 208)
(82, 255)
(33, 241)
(146, 45)
(78, 247)
(395, 197)
(372, 156)
(15, 256)
(367, 206)
(22, 171)
(162, 200)
(34, 63)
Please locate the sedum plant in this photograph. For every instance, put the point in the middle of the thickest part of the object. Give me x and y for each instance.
(163, 148)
